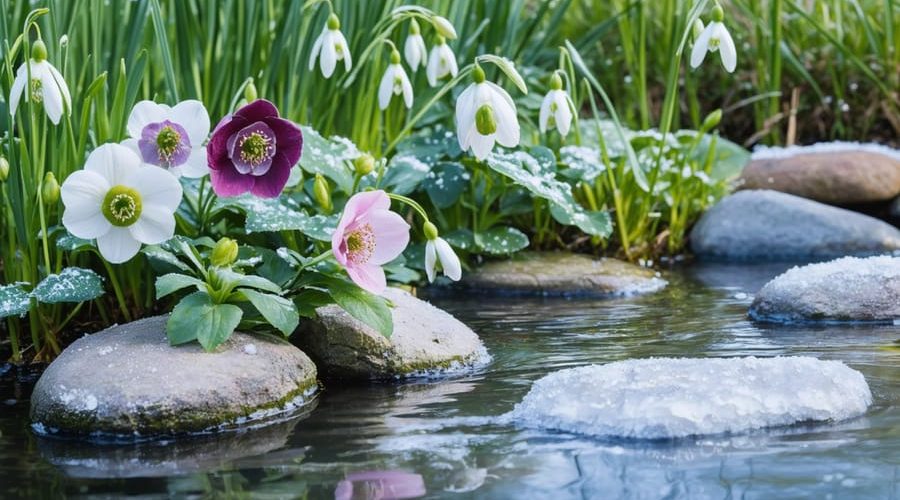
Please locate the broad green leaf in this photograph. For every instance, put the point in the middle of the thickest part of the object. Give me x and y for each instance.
(196, 317)
(431, 147)
(160, 258)
(583, 163)
(248, 280)
(168, 284)
(445, 183)
(593, 223)
(309, 300)
(501, 240)
(461, 238)
(404, 174)
(278, 311)
(730, 158)
(362, 305)
(328, 157)
(73, 284)
(273, 215)
(69, 243)
(14, 301)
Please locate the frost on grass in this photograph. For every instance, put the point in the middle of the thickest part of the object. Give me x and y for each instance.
(774, 153)
(13, 301)
(661, 398)
(73, 284)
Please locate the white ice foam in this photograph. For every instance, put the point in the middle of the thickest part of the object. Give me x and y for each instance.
(774, 152)
(660, 398)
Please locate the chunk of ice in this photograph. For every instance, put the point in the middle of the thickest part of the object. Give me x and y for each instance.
(660, 398)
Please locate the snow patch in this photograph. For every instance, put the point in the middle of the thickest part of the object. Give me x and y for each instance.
(773, 153)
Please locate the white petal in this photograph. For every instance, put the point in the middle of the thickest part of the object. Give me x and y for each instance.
(132, 144)
(144, 113)
(154, 226)
(113, 162)
(544, 116)
(407, 89)
(481, 144)
(412, 51)
(63, 87)
(505, 114)
(701, 46)
(465, 115)
(386, 88)
(82, 194)
(18, 89)
(431, 71)
(156, 186)
(118, 245)
(196, 165)
(430, 260)
(726, 48)
(328, 56)
(563, 115)
(449, 260)
(317, 47)
(53, 99)
(348, 61)
(192, 115)
(451, 60)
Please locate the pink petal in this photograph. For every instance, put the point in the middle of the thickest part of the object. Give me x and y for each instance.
(369, 277)
(361, 204)
(391, 236)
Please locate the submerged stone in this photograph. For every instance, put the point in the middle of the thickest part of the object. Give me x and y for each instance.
(562, 273)
(843, 290)
(763, 225)
(836, 177)
(425, 340)
(127, 381)
(664, 398)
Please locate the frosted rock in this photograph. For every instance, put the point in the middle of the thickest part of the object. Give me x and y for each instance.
(763, 152)
(846, 289)
(765, 225)
(660, 398)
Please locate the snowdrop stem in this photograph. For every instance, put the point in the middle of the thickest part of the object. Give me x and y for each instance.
(393, 47)
(411, 203)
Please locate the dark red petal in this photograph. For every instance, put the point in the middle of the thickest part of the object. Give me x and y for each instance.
(229, 182)
(258, 111)
(288, 137)
(272, 183)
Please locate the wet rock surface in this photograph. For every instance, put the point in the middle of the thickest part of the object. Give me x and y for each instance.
(765, 225)
(837, 177)
(562, 273)
(843, 290)
(127, 381)
(426, 340)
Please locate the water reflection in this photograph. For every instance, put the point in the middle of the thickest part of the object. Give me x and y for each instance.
(378, 485)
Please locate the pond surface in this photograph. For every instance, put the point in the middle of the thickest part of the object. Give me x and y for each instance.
(446, 438)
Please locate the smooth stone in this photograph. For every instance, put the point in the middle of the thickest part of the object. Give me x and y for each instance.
(764, 225)
(127, 381)
(841, 177)
(426, 341)
(843, 290)
(563, 273)
(665, 398)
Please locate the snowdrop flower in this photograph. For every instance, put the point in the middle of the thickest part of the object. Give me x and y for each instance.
(46, 86)
(394, 82)
(441, 62)
(120, 202)
(485, 113)
(368, 236)
(556, 110)
(715, 37)
(170, 137)
(331, 47)
(414, 48)
(437, 250)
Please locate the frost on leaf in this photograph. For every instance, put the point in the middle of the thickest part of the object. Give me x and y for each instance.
(273, 215)
(502, 240)
(13, 301)
(74, 284)
(328, 157)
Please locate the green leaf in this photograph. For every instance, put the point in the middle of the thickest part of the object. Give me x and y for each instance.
(501, 240)
(430, 148)
(730, 158)
(446, 183)
(160, 258)
(463, 239)
(248, 280)
(508, 68)
(309, 300)
(273, 215)
(278, 311)
(362, 305)
(73, 284)
(69, 243)
(328, 157)
(196, 317)
(592, 223)
(168, 284)
(404, 174)
(14, 301)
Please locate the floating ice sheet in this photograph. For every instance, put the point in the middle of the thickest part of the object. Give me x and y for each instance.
(770, 153)
(659, 398)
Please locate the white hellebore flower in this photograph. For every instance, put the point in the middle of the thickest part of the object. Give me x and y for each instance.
(171, 138)
(437, 250)
(330, 47)
(394, 82)
(485, 113)
(556, 110)
(414, 48)
(441, 62)
(120, 202)
(46, 86)
(715, 37)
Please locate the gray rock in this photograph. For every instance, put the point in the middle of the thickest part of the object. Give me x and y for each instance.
(563, 273)
(425, 340)
(843, 290)
(763, 225)
(836, 177)
(128, 381)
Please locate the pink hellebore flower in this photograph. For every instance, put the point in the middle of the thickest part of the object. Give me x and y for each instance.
(368, 236)
(253, 150)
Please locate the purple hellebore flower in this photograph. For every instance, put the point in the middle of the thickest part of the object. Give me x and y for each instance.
(253, 150)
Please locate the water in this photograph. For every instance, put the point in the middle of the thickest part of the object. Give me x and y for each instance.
(446, 437)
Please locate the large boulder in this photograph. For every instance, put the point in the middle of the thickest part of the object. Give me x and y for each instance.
(664, 398)
(426, 340)
(837, 177)
(763, 225)
(847, 289)
(563, 273)
(128, 381)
